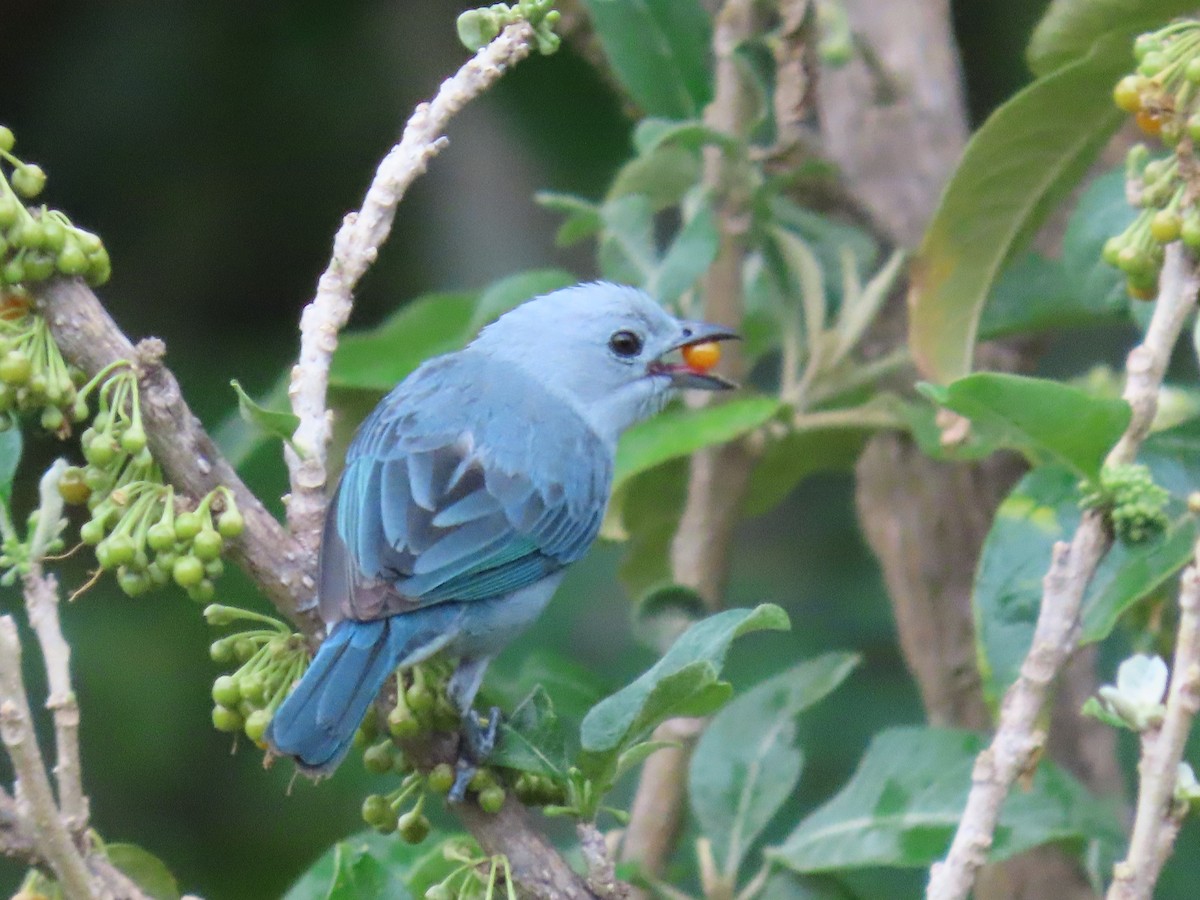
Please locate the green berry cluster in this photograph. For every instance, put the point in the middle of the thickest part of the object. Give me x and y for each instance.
(1163, 96)
(134, 515)
(1136, 505)
(15, 553)
(476, 876)
(479, 27)
(538, 790)
(39, 243)
(422, 706)
(271, 660)
(382, 811)
(34, 377)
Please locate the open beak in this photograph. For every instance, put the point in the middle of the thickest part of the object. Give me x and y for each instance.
(684, 376)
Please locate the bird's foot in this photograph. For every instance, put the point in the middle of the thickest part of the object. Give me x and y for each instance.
(478, 741)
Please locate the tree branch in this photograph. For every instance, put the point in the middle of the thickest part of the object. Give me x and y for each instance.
(1159, 816)
(34, 799)
(1019, 739)
(355, 248)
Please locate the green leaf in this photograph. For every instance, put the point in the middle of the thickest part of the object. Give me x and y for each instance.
(651, 133)
(531, 739)
(1033, 294)
(639, 753)
(788, 461)
(687, 672)
(1044, 419)
(272, 422)
(903, 803)
(747, 763)
(511, 292)
(10, 459)
(688, 257)
(367, 866)
(582, 216)
(145, 870)
(659, 50)
(381, 358)
(1102, 212)
(648, 508)
(681, 432)
(785, 885)
(1023, 160)
(627, 254)
(1070, 27)
(662, 177)
(1044, 508)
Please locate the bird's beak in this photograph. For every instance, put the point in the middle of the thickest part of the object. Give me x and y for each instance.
(685, 376)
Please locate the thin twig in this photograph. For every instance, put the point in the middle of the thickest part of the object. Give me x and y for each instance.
(1019, 739)
(34, 798)
(1158, 817)
(355, 248)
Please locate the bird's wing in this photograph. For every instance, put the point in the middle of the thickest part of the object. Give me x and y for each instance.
(465, 483)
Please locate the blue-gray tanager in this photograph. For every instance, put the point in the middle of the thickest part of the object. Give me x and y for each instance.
(468, 490)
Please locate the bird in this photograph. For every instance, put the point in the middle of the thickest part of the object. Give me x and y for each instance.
(468, 491)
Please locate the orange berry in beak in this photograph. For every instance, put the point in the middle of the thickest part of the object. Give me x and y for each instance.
(702, 357)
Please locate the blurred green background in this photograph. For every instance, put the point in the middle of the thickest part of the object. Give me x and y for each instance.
(215, 146)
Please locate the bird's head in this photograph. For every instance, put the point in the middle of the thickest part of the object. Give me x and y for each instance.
(609, 349)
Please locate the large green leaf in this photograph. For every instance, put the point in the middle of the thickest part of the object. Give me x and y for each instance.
(367, 866)
(1038, 294)
(680, 432)
(144, 869)
(659, 49)
(747, 762)
(10, 459)
(1070, 27)
(1023, 160)
(688, 257)
(381, 358)
(1044, 508)
(903, 803)
(649, 507)
(1044, 419)
(788, 461)
(531, 739)
(1102, 212)
(684, 681)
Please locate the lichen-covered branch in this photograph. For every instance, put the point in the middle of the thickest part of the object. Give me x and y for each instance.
(33, 798)
(355, 248)
(1159, 815)
(1019, 735)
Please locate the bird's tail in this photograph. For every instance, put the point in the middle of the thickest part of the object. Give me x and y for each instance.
(316, 723)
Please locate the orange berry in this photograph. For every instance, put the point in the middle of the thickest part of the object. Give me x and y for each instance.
(13, 305)
(1149, 122)
(702, 357)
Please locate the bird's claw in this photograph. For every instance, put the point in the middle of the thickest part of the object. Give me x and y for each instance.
(479, 739)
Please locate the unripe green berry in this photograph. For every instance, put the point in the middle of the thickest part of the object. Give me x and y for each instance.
(160, 536)
(1152, 63)
(54, 233)
(15, 367)
(491, 799)
(378, 758)
(187, 525)
(221, 652)
(1112, 250)
(118, 549)
(207, 545)
(481, 780)
(378, 813)
(1164, 226)
(204, 592)
(52, 418)
(256, 725)
(402, 724)
(188, 571)
(28, 180)
(413, 827)
(7, 140)
(101, 451)
(71, 260)
(72, 487)
(440, 778)
(1146, 43)
(1192, 70)
(230, 524)
(419, 698)
(253, 688)
(133, 583)
(226, 690)
(226, 719)
(13, 271)
(133, 440)
(92, 532)
(10, 209)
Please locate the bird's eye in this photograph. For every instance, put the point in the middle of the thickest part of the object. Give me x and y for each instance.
(625, 343)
